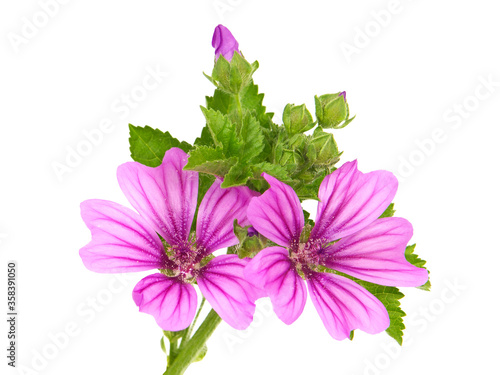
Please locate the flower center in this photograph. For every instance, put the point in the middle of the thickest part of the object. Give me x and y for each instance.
(305, 257)
(182, 262)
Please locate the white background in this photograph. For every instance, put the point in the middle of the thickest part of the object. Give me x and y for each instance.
(404, 81)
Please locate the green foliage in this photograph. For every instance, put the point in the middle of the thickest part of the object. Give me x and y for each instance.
(389, 211)
(240, 141)
(148, 145)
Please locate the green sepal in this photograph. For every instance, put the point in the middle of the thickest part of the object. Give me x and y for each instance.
(248, 246)
(325, 148)
(148, 145)
(298, 141)
(162, 344)
(232, 76)
(173, 336)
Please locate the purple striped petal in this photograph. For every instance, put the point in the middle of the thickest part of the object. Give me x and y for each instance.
(222, 283)
(172, 303)
(218, 210)
(377, 254)
(165, 196)
(344, 305)
(122, 241)
(277, 213)
(272, 270)
(350, 200)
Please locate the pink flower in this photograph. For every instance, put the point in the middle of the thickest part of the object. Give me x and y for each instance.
(224, 43)
(166, 197)
(348, 237)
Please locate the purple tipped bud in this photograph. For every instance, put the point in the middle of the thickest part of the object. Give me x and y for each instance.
(342, 94)
(252, 232)
(224, 43)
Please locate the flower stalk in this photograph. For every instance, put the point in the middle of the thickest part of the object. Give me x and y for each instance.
(195, 345)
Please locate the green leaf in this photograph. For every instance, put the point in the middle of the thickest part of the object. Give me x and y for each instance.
(238, 175)
(416, 261)
(252, 139)
(148, 145)
(251, 100)
(223, 132)
(389, 211)
(205, 139)
(234, 105)
(209, 160)
(259, 184)
(306, 218)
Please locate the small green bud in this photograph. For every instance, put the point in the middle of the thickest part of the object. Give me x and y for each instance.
(297, 119)
(291, 157)
(327, 152)
(332, 110)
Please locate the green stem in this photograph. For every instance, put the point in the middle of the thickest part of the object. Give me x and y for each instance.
(194, 346)
(172, 352)
(189, 331)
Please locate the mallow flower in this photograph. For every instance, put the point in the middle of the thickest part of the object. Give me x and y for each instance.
(348, 238)
(158, 237)
(224, 43)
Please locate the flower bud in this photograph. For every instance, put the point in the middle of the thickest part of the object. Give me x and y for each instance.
(332, 110)
(325, 151)
(224, 43)
(297, 119)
